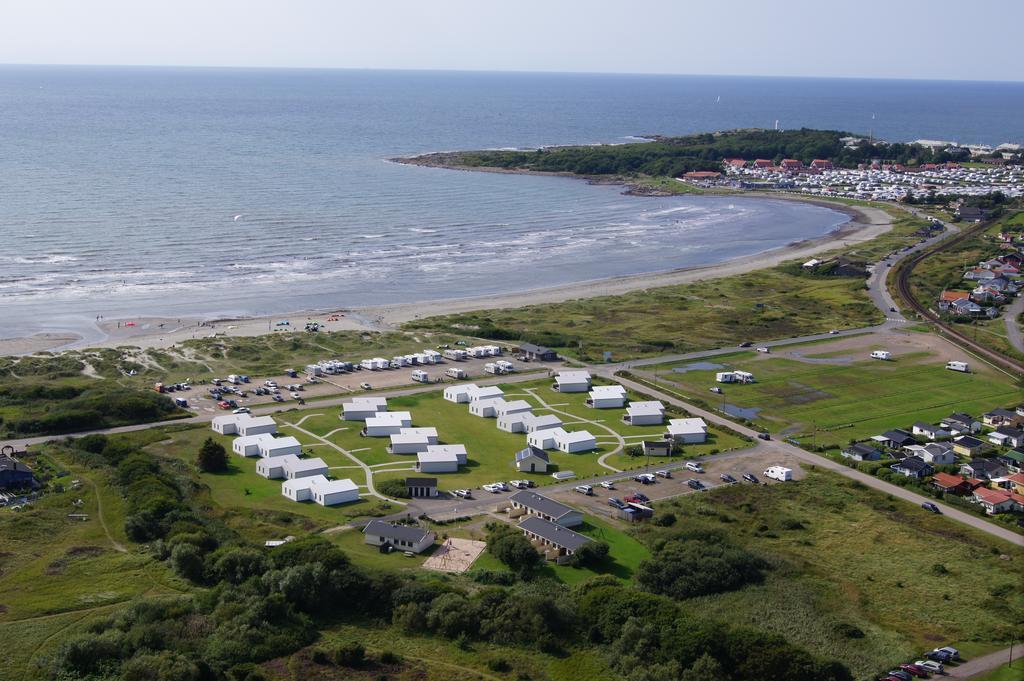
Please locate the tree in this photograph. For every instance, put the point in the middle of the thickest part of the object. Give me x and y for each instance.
(213, 458)
(589, 554)
(516, 551)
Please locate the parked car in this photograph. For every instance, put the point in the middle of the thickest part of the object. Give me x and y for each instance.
(278, 398)
(750, 477)
(586, 490)
(462, 493)
(764, 436)
(295, 395)
(223, 405)
(519, 484)
(929, 506)
(365, 386)
(493, 488)
(694, 466)
(641, 498)
(663, 473)
(920, 672)
(953, 652)
(242, 410)
(931, 666)
(745, 344)
(645, 478)
(617, 503)
(725, 477)
(695, 484)
(915, 670)
(270, 384)
(901, 675)
(608, 484)
(939, 655)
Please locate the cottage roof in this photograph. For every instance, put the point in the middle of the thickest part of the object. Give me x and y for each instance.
(556, 534)
(395, 532)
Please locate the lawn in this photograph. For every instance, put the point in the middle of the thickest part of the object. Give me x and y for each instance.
(857, 576)
(854, 399)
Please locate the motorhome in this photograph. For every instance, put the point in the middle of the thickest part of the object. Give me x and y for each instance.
(881, 354)
(955, 365)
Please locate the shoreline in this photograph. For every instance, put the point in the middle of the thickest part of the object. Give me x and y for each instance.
(865, 224)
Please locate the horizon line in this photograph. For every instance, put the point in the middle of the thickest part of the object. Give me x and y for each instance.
(237, 67)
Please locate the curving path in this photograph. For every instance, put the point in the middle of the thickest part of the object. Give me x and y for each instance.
(1013, 331)
(619, 440)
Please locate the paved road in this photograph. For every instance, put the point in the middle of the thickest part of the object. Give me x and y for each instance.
(1013, 332)
(986, 663)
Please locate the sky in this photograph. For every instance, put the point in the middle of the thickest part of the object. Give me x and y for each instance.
(937, 39)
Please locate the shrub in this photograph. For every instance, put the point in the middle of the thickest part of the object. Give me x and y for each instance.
(350, 655)
(394, 487)
(212, 457)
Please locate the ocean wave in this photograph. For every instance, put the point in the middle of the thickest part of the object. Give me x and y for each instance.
(422, 230)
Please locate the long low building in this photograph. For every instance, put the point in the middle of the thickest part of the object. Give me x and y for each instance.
(687, 431)
(533, 422)
(400, 537)
(564, 541)
(461, 455)
(607, 397)
(304, 468)
(280, 446)
(320, 490)
(437, 462)
(273, 467)
(575, 441)
(249, 445)
(387, 423)
(362, 408)
(651, 413)
(412, 440)
(548, 509)
(576, 381)
(243, 424)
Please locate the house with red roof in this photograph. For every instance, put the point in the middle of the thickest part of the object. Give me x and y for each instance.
(699, 175)
(821, 164)
(998, 501)
(763, 163)
(790, 164)
(950, 484)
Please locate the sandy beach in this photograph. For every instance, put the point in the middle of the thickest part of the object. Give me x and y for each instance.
(865, 224)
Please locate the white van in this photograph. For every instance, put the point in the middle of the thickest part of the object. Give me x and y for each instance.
(881, 354)
(954, 365)
(779, 473)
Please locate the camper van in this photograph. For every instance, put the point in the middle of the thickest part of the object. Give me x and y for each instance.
(779, 473)
(455, 372)
(420, 376)
(955, 365)
(881, 354)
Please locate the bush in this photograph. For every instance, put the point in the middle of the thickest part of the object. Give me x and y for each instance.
(212, 457)
(395, 487)
(694, 567)
(350, 655)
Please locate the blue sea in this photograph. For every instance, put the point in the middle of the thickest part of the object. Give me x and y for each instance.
(211, 192)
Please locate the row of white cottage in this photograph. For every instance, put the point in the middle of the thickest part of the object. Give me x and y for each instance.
(431, 456)
(304, 479)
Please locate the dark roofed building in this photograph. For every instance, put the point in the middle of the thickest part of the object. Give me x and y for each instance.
(564, 541)
(548, 509)
(897, 438)
(983, 469)
(401, 537)
(532, 460)
(912, 467)
(537, 353)
(862, 451)
(14, 473)
(421, 487)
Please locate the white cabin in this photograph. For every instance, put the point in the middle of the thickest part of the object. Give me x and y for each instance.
(460, 394)
(575, 441)
(458, 450)
(273, 468)
(534, 422)
(249, 445)
(255, 425)
(437, 462)
(687, 431)
(651, 413)
(280, 446)
(607, 397)
(572, 381)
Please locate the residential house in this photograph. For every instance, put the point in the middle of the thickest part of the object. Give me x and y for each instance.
(934, 453)
(929, 431)
(533, 423)
(537, 353)
(572, 381)
(1015, 483)
(966, 308)
(273, 468)
(553, 511)
(362, 408)
(895, 439)
(996, 501)
(279, 446)
(14, 473)
(249, 445)
(967, 445)
(1005, 436)
(412, 440)
(651, 413)
(912, 467)
(565, 542)
(421, 488)
(512, 407)
(254, 425)
(387, 423)
(983, 469)
(950, 484)
(513, 423)
(961, 424)
(304, 468)
(532, 460)
(459, 393)
(440, 461)
(544, 439)
(862, 451)
(331, 492)
(1013, 460)
(487, 392)
(400, 537)
(1002, 417)
(607, 397)
(574, 441)
(687, 431)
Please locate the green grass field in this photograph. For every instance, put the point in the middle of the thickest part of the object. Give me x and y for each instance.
(849, 400)
(845, 558)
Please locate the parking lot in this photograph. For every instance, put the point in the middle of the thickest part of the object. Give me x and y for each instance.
(348, 383)
(749, 461)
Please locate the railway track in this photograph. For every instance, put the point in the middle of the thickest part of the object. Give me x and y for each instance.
(903, 289)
